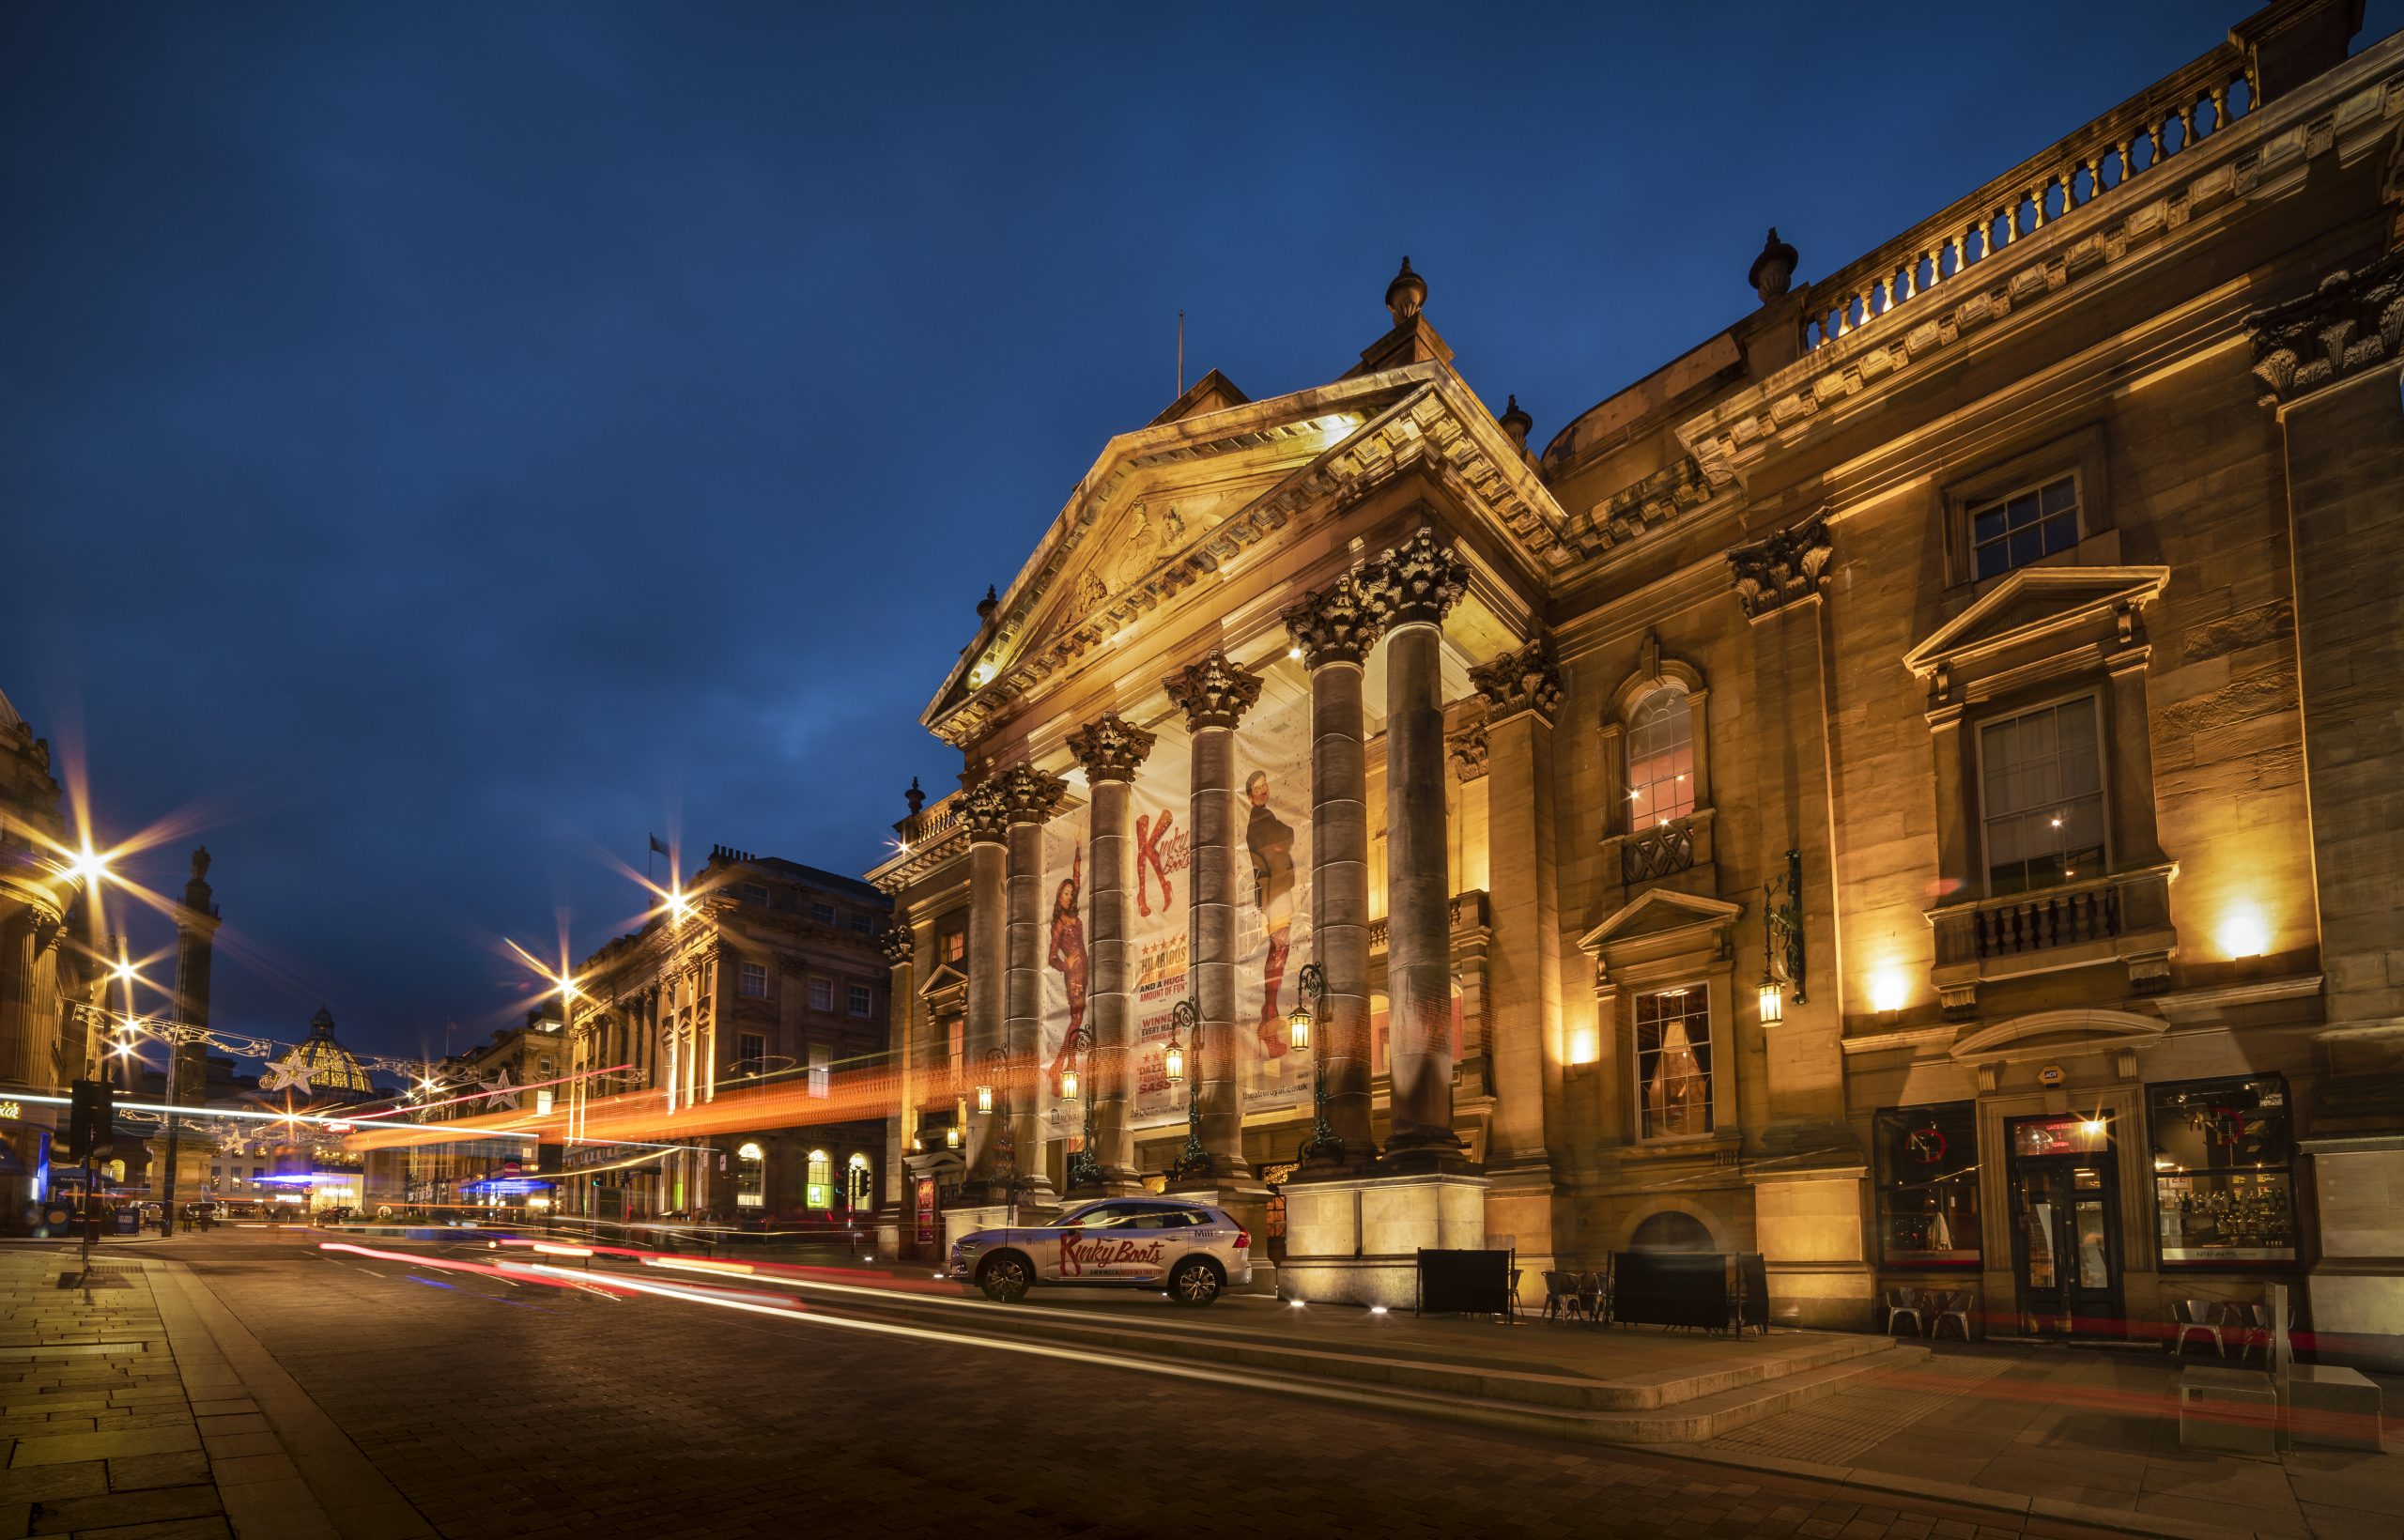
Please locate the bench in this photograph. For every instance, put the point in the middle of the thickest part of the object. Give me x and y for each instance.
(2233, 1411)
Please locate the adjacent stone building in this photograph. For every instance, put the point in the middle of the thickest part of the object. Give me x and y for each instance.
(1907, 788)
(725, 1058)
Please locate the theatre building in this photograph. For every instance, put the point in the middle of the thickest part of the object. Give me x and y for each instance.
(1907, 788)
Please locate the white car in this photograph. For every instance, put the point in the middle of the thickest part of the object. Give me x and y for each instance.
(1192, 1250)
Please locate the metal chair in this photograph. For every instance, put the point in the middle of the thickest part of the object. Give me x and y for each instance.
(1902, 1303)
(1594, 1296)
(2200, 1317)
(1951, 1305)
(1560, 1295)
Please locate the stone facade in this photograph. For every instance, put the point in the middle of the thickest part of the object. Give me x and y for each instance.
(1914, 777)
(742, 1023)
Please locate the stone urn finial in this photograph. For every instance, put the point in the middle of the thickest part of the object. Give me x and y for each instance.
(1406, 294)
(1773, 270)
(1517, 423)
(986, 606)
(914, 797)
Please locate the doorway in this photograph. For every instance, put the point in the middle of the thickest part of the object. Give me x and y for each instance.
(2066, 1229)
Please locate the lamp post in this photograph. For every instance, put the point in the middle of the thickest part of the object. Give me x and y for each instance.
(992, 1098)
(1193, 1160)
(1782, 943)
(1084, 1166)
(1310, 992)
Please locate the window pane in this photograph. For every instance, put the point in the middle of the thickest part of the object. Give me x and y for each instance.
(1928, 1186)
(2061, 535)
(2060, 495)
(1673, 1062)
(1660, 760)
(1987, 526)
(2024, 527)
(2223, 1187)
(2022, 511)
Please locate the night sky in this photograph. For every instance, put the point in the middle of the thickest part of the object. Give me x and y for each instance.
(441, 445)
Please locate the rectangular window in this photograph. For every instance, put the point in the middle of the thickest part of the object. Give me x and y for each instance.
(952, 947)
(822, 913)
(860, 1001)
(755, 981)
(2024, 526)
(822, 994)
(1660, 758)
(863, 923)
(1673, 1062)
(754, 893)
(750, 1054)
(2224, 1175)
(2041, 775)
(821, 1070)
(1928, 1186)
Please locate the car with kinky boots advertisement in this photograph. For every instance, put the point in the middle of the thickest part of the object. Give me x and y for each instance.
(1192, 1251)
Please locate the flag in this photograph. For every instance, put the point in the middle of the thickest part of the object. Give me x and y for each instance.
(659, 849)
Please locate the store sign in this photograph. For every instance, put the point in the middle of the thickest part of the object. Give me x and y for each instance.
(2050, 1075)
(11, 1112)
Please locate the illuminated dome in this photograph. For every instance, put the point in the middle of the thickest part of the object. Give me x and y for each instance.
(319, 1066)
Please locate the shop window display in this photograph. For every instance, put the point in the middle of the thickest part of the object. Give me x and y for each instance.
(2224, 1172)
(1928, 1186)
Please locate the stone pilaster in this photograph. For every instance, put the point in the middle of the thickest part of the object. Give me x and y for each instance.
(1030, 798)
(988, 816)
(1214, 694)
(1111, 751)
(904, 1023)
(1524, 691)
(1415, 583)
(1334, 629)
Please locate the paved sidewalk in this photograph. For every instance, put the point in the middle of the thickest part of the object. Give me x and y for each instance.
(2085, 1435)
(136, 1408)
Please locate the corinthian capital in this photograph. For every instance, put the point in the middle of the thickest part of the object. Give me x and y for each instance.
(987, 813)
(1027, 794)
(1416, 582)
(1524, 680)
(1213, 692)
(1789, 565)
(1339, 624)
(2354, 320)
(1110, 748)
(896, 943)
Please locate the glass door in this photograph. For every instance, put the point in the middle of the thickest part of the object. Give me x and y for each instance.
(2067, 1245)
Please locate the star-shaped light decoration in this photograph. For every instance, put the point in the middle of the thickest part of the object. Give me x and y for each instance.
(497, 1091)
(291, 1073)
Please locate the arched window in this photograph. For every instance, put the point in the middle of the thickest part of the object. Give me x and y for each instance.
(822, 1180)
(1660, 758)
(1671, 1231)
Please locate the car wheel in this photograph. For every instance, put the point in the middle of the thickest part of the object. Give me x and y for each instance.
(1197, 1281)
(1005, 1276)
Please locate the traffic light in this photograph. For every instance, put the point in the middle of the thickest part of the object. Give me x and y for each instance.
(91, 1121)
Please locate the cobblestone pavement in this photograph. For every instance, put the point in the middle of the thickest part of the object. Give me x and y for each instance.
(504, 1411)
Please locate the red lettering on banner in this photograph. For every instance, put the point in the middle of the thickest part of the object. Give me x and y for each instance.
(1079, 1252)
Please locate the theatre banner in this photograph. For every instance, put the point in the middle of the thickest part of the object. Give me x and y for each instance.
(1272, 918)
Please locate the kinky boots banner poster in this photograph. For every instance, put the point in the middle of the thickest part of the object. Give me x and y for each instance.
(1274, 899)
(1156, 961)
(1066, 964)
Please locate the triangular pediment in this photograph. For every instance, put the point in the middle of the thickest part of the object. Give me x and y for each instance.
(2032, 603)
(942, 977)
(1172, 502)
(1658, 913)
(1213, 392)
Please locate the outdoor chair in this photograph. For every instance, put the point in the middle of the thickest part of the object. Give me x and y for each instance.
(2250, 1324)
(2201, 1318)
(1902, 1303)
(1953, 1305)
(1594, 1296)
(1560, 1295)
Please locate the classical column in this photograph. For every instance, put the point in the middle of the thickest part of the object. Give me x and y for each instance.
(1334, 628)
(1524, 691)
(1214, 694)
(988, 817)
(1111, 751)
(20, 1035)
(1415, 583)
(904, 1022)
(1030, 798)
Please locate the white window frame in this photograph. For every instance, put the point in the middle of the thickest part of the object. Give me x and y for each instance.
(860, 1001)
(2103, 784)
(1627, 758)
(822, 996)
(751, 1063)
(2080, 523)
(744, 972)
(822, 912)
(821, 1070)
(1711, 1017)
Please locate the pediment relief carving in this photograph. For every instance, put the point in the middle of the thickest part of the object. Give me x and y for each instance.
(1659, 922)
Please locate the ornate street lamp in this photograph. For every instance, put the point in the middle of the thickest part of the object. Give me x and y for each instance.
(1193, 1160)
(1310, 994)
(1782, 943)
(1084, 1166)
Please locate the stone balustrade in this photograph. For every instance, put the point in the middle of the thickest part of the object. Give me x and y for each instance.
(2124, 919)
(2173, 114)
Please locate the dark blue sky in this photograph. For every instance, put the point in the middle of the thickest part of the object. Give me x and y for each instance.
(440, 444)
